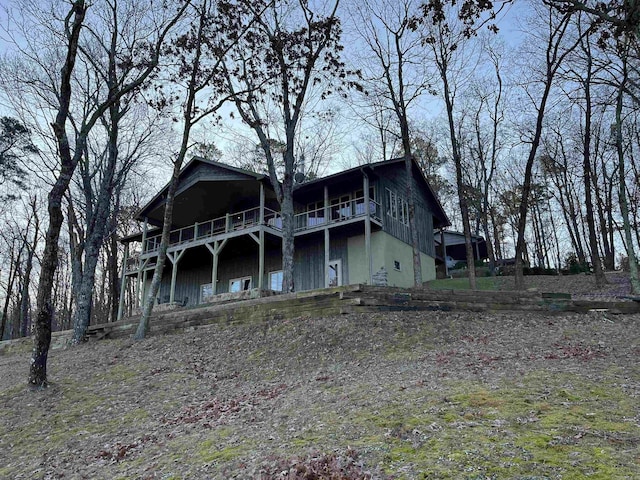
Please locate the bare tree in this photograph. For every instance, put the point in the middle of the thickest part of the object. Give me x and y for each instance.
(623, 47)
(198, 55)
(399, 76)
(557, 45)
(446, 39)
(587, 79)
(484, 149)
(70, 151)
(291, 49)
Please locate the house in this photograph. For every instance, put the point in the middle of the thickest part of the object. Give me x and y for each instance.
(350, 227)
(455, 249)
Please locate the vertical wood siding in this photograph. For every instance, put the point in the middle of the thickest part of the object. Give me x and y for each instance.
(394, 178)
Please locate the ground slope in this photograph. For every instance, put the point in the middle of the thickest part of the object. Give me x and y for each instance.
(394, 395)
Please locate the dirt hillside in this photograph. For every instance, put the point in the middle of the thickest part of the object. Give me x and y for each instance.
(390, 395)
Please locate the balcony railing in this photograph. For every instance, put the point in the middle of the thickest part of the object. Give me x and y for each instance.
(338, 211)
(229, 223)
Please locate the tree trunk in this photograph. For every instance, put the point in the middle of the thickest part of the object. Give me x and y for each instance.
(601, 199)
(601, 280)
(42, 337)
(95, 235)
(622, 193)
(11, 278)
(457, 159)
(84, 295)
(413, 228)
(24, 294)
(114, 278)
(288, 247)
(147, 306)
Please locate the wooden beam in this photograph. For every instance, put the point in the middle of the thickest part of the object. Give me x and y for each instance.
(123, 282)
(174, 276)
(144, 287)
(443, 246)
(261, 259)
(367, 227)
(174, 257)
(215, 252)
(145, 226)
(327, 251)
(261, 203)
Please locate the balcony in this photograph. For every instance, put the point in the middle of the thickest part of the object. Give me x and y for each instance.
(237, 223)
(339, 212)
(202, 232)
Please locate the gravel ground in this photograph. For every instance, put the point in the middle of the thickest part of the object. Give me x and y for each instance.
(388, 395)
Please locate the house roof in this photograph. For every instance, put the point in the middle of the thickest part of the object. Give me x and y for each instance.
(239, 174)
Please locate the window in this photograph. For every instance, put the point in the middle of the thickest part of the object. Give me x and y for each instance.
(397, 265)
(239, 284)
(341, 207)
(206, 292)
(315, 214)
(397, 207)
(275, 280)
(359, 198)
(404, 212)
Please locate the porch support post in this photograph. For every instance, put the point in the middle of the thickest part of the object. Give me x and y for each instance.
(143, 288)
(215, 252)
(145, 228)
(261, 203)
(260, 241)
(175, 258)
(123, 282)
(261, 258)
(137, 293)
(142, 277)
(327, 239)
(443, 246)
(142, 264)
(367, 227)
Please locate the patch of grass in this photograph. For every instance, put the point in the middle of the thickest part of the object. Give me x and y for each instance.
(514, 430)
(210, 452)
(482, 283)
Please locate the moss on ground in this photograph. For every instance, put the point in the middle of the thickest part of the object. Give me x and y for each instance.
(513, 431)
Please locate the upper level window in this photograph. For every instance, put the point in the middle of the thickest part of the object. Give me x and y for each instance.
(359, 198)
(315, 213)
(341, 207)
(397, 207)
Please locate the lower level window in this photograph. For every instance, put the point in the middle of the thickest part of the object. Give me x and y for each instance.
(239, 284)
(275, 280)
(206, 291)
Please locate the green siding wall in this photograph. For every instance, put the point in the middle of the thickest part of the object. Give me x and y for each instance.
(385, 249)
